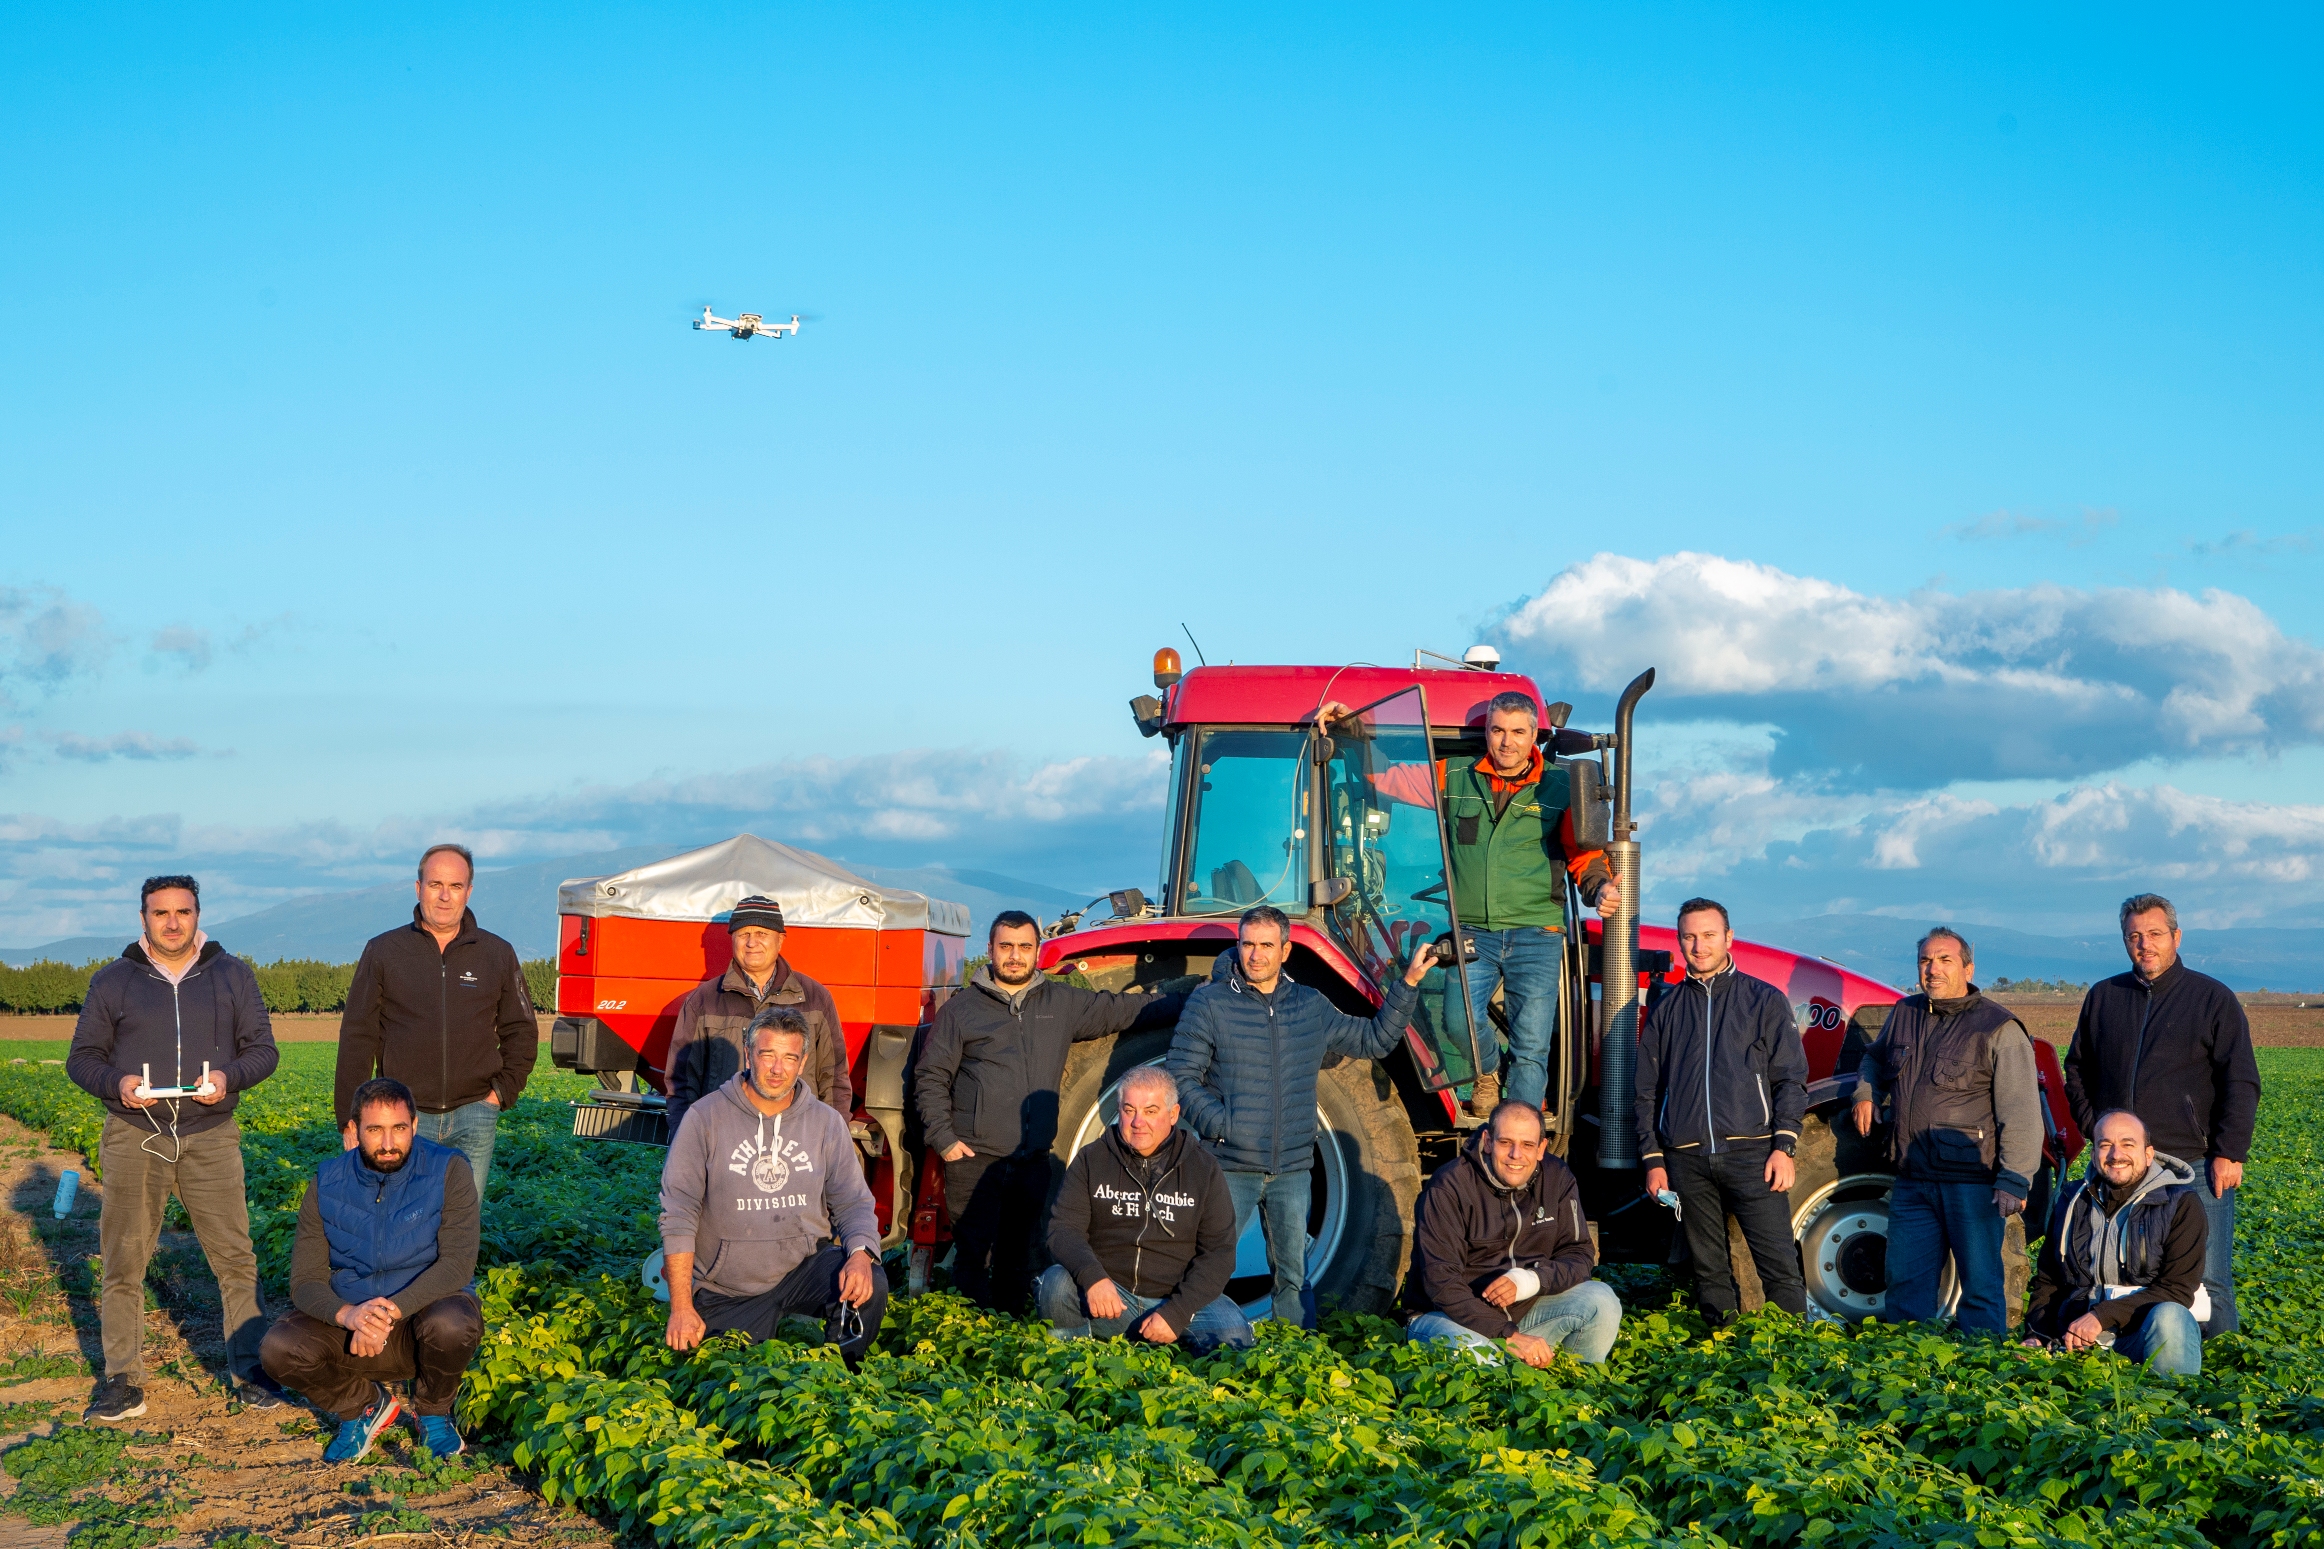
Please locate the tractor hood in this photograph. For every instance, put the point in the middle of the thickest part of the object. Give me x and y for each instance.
(706, 884)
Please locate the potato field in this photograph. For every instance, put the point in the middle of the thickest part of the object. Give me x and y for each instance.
(968, 1429)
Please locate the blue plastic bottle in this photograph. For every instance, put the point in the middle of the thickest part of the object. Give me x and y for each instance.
(68, 1188)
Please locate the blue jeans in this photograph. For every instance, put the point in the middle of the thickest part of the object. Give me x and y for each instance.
(1217, 1326)
(467, 1129)
(2218, 1253)
(1582, 1320)
(2168, 1339)
(1930, 1222)
(1281, 1199)
(1528, 963)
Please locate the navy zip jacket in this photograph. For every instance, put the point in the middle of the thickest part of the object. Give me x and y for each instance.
(1246, 1063)
(134, 1017)
(1720, 1061)
(2177, 1053)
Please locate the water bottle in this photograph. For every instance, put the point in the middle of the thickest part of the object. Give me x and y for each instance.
(67, 1188)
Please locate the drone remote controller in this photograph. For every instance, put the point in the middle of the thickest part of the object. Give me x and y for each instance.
(146, 1088)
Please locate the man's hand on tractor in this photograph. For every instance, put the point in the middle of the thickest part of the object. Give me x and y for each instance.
(1423, 959)
(1609, 898)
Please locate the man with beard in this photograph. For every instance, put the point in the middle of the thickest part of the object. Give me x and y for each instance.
(380, 1275)
(986, 1086)
(2122, 1266)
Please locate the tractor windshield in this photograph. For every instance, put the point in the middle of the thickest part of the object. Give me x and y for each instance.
(1388, 842)
(1248, 820)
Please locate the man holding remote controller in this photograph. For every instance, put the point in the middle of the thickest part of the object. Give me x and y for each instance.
(172, 1034)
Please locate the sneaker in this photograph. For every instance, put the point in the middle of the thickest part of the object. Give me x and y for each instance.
(437, 1432)
(257, 1393)
(356, 1436)
(117, 1399)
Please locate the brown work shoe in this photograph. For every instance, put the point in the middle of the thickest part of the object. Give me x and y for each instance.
(1486, 1096)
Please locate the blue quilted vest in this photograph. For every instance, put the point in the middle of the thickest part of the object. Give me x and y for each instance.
(381, 1227)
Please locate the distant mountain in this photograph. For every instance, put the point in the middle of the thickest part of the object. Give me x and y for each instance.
(1882, 947)
(520, 903)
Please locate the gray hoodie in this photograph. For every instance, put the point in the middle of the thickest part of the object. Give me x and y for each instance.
(752, 1196)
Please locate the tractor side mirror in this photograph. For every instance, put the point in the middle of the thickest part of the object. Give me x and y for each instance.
(1593, 811)
(1329, 891)
(1146, 710)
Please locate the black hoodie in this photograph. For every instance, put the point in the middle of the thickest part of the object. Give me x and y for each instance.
(1161, 1225)
(134, 1018)
(1470, 1231)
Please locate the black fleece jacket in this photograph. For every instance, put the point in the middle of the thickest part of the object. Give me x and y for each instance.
(134, 1018)
(1161, 1225)
(1470, 1231)
(453, 1024)
(2177, 1053)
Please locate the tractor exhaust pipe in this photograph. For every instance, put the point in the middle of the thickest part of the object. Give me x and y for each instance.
(1618, 975)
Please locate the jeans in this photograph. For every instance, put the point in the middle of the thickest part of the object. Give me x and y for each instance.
(2168, 1339)
(1582, 1320)
(430, 1349)
(1281, 1199)
(468, 1129)
(2218, 1253)
(204, 1170)
(1929, 1222)
(1217, 1326)
(1709, 1186)
(1528, 963)
(998, 1204)
(811, 1290)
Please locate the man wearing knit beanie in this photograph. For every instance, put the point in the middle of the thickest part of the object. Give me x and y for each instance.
(714, 1020)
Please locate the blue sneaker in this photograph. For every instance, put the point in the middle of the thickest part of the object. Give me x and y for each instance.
(437, 1432)
(356, 1436)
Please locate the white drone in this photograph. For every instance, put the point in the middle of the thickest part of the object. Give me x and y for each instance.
(747, 325)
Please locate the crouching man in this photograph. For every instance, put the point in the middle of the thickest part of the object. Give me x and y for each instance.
(1500, 1253)
(380, 1276)
(1143, 1231)
(2122, 1267)
(761, 1176)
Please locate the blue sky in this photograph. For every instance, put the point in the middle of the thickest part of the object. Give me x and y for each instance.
(361, 480)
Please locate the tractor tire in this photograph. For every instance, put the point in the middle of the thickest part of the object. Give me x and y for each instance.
(1366, 1179)
(1839, 1216)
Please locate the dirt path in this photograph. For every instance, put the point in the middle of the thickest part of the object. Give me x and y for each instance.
(230, 1471)
(2277, 1021)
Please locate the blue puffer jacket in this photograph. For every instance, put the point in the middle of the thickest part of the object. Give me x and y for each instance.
(381, 1226)
(1246, 1063)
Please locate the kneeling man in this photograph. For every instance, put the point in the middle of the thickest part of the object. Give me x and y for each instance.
(761, 1176)
(1143, 1231)
(1501, 1255)
(380, 1276)
(2122, 1266)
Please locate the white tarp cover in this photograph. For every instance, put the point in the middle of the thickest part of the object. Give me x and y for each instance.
(705, 884)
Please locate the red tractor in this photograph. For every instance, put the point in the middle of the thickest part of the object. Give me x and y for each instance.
(1265, 806)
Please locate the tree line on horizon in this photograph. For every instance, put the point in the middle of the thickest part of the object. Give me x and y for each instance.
(291, 985)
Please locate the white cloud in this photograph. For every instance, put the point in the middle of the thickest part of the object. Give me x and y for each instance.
(1926, 690)
(189, 646)
(46, 638)
(141, 745)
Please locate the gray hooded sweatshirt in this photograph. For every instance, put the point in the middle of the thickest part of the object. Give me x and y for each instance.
(753, 1195)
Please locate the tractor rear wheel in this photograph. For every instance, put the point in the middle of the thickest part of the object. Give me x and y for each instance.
(1839, 1216)
(1366, 1177)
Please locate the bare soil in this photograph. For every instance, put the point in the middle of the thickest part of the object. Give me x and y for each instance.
(240, 1470)
(2277, 1021)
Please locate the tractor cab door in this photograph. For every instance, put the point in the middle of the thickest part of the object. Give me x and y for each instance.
(1386, 839)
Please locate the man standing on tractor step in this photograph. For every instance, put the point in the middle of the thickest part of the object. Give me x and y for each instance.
(713, 1021)
(986, 1087)
(1513, 847)
(1722, 1091)
(1957, 1072)
(1246, 1055)
(441, 1006)
(2174, 1047)
(173, 1002)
